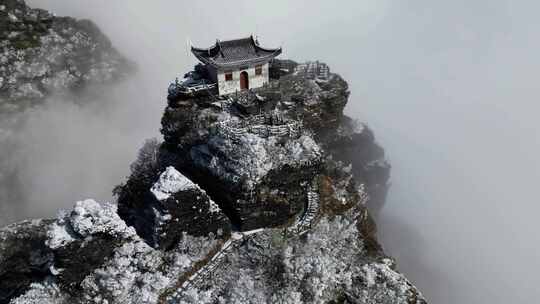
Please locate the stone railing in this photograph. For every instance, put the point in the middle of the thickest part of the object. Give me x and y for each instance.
(303, 222)
(364, 197)
(314, 70)
(261, 125)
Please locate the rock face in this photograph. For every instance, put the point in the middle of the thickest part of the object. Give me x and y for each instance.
(89, 255)
(354, 143)
(24, 258)
(41, 54)
(181, 207)
(163, 204)
(256, 177)
(257, 197)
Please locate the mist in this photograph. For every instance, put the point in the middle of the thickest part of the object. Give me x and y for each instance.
(450, 90)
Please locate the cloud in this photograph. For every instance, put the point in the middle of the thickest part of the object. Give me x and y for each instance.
(450, 89)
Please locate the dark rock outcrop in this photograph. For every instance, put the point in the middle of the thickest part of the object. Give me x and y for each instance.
(82, 240)
(24, 258)
(179, 206)
(354, 143)
(163, 204)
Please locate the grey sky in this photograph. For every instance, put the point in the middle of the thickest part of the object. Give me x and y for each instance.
(450, 89)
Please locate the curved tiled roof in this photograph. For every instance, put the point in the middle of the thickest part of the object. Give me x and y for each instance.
(232, 53)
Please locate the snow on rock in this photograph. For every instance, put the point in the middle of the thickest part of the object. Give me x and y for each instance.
(87, 218)
(41, 293)
(171, 181)
(131, 271)
(12, 17)
(214, 208)
(132, 275)
(304, 148)
(332, 246)
(60, 235)
(384, 283)
(138, 273)
(170, 204)
(314, 269)
(329, 262)
(41, 55)
(224, 158)
(253, 156)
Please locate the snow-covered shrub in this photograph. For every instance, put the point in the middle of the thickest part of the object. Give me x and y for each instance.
(132, 275)
(325, 262)
(147, 159)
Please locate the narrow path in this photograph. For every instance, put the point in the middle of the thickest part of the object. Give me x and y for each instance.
(201, 276)
(301, 226)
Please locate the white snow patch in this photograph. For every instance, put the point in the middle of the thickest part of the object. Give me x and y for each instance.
(252, 157)
(90, 217)
(132, 275)
(59, 236)
(87, 218)
(214, 208)
(41, 293)
(171, 181)
(12, 17)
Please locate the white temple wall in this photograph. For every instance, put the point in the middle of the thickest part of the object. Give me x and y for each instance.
(231, 86)
(228, 86)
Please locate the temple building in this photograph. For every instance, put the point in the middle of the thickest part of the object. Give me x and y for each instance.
(236, 65)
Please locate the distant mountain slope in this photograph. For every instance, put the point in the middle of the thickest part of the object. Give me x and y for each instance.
(41, 54)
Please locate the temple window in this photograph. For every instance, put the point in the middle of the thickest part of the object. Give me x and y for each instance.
(228, 76)
(258, 70)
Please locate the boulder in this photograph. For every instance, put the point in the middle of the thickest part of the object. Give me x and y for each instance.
(174, 205)
(260, 182)
(24, 258)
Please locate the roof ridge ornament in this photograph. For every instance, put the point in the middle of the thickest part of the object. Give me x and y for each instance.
(255, 41)
(218, 43)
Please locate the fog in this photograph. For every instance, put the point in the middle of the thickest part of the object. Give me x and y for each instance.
(450, 90)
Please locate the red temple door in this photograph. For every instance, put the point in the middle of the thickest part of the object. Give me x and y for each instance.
(244, 81)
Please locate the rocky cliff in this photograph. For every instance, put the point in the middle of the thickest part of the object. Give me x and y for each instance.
(258, 197)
